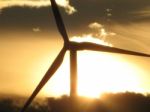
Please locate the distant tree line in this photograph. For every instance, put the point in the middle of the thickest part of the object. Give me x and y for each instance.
(120, 102)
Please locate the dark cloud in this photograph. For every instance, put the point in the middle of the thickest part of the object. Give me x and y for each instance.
(119, 9)
(102, 11)
(25, 18)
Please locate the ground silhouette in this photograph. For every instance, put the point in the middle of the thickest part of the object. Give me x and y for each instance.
(120, 102)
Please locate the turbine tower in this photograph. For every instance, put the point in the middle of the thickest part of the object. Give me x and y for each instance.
(73, 47)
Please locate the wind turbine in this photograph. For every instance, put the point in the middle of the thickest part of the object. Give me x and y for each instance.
(73, 47)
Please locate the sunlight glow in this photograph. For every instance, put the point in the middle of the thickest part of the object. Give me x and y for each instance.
(98, 73)
(58, 84)
(101, 72)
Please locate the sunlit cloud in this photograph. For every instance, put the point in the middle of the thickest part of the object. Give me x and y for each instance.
(90, 38)
(95, 25)
(36, 29)
(37, 3)
(98, 37)
(101, 31)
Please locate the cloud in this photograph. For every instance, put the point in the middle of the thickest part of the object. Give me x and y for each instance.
(90, 38)
(92, 13)
(37, 3)
(100, 31)
(95, 25)
(25, 18)
(114, 10)
(66, 4)
(37, 29)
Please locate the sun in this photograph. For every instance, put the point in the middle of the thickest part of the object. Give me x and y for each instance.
(101, 72)
(98, 72)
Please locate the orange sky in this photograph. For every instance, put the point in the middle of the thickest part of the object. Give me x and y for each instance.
(24, 62)
(29, 42)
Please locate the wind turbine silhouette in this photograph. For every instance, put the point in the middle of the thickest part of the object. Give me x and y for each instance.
(73, 47)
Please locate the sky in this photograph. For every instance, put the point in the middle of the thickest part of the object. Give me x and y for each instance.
(29, 40)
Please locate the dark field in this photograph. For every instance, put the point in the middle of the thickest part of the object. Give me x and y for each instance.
(121, 102)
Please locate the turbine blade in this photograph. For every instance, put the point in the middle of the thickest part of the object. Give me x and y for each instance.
(97, 47)
(57, 62)
(59, 21)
